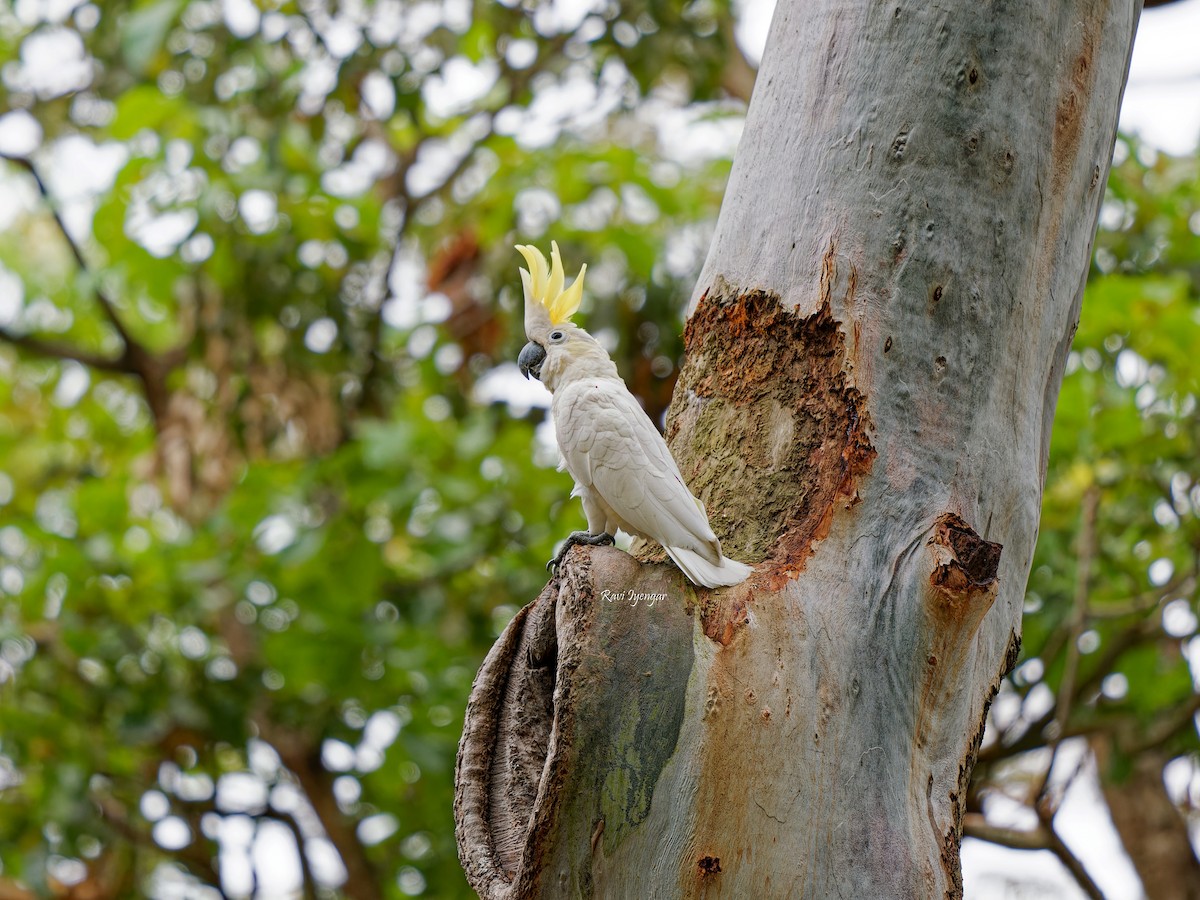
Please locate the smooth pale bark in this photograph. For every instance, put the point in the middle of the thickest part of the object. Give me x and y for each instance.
(874, 351)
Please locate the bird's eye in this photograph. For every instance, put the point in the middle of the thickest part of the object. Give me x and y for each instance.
(556, 337)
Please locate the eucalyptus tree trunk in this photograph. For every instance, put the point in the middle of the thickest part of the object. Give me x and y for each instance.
(874, 351)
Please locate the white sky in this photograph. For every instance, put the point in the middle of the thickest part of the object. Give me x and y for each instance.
(1162, 99)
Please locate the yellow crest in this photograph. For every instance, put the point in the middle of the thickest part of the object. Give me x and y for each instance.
(544, 283)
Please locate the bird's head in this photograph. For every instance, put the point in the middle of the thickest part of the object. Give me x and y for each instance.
(556, 345)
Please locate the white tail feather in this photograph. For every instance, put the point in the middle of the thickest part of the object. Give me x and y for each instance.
(704, 573)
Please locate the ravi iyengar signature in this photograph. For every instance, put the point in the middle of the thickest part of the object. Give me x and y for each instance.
(633, 598)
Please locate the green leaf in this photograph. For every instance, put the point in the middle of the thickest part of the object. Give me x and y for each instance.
(144, 30)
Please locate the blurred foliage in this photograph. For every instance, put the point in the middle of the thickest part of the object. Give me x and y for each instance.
(1110, 651)
(263, 506)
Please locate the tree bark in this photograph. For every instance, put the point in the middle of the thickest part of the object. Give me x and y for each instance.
(874, 351)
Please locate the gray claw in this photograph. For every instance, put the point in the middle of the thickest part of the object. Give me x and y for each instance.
(579, 537)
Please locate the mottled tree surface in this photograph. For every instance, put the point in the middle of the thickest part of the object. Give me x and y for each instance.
(874, 351)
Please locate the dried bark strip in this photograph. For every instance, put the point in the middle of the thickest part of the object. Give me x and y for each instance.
(505, 743)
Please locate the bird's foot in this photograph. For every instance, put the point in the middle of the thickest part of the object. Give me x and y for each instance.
(579, 537)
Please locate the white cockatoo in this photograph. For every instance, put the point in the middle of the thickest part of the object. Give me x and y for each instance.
(623, 471)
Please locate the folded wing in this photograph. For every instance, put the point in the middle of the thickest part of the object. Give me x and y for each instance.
(609, 444)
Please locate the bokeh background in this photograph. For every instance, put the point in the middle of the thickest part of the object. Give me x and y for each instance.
(270, 485)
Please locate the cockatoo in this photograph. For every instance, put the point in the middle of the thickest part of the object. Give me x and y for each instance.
(623, 471)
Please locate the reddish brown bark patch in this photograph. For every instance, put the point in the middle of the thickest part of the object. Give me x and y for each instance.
(766, 427)
(723, 618)
(1070, 117)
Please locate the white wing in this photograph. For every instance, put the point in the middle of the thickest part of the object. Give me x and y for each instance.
(609, 444)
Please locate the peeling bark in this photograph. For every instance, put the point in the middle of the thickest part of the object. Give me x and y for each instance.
(766, 426)
(874, 351)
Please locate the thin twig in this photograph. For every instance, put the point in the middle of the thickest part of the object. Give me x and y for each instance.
(110, 311)
(136, 359)
(976, 826)
(1033, 737)
(1074, 866)
(1079, 606)
(54, 350)
(301, 755)
(198, 861)
(1137, 632)
(1077, 621)
(1183, 582)
(1162, 731)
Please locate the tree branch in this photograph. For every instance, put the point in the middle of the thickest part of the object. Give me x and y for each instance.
(1073, 865)
(1166, 728)
(135, 359)
(1145, 601)
(1033, 736)
(738, 75)
(1148, 823)
(106, 305)
(198, 861)
(517, 81)
(1075, 626)
(978, 827)
(54, 350)
(1079, 607)
(302, 757)
(1041, 838)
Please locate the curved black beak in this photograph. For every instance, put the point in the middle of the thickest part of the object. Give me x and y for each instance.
(531, 359)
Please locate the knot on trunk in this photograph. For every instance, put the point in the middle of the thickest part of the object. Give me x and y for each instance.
(964, 562)
(709, 865)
